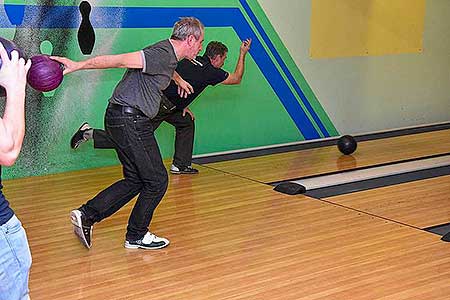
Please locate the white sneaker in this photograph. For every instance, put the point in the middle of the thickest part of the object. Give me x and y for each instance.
(78, 138)
(174, 169)
(149, 241)
(81, 227)
(183, 170)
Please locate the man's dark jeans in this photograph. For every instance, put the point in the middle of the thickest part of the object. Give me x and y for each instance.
(143, 170)
(184, 135)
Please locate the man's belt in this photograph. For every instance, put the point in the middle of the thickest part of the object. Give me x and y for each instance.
(126, 109)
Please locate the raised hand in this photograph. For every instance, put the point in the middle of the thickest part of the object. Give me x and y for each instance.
(245, 46)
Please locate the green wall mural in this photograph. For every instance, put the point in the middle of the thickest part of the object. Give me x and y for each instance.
(273, 104)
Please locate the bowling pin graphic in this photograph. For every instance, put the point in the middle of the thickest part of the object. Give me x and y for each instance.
(86, 34)
(46, 47)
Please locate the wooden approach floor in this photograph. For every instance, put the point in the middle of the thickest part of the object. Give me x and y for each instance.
(235, 238)
(423, 203)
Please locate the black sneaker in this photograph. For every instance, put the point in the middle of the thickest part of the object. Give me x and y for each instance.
(446, 237)
(149, 241)
(183, 170)
(78, 138)
(81, 227)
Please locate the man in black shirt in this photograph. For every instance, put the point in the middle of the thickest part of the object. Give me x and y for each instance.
(200, 72)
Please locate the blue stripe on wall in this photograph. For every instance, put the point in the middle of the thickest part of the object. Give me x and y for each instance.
(284, 67)
(149, 17)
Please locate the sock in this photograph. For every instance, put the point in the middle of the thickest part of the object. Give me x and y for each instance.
(88, 134)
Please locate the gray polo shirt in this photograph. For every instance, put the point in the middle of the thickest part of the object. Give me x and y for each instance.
(141, 88)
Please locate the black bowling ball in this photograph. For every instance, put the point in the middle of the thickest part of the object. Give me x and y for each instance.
(347, 144)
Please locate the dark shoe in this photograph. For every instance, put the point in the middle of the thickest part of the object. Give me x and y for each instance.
(183, 170)
(149, 241)
(81, 227)
(78, 138)
(446, 237)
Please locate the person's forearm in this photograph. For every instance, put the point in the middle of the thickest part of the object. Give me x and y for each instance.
(132, 60)
(176, 77)
(239, 70)
(236, 77)
(13, 127)
(101, 62)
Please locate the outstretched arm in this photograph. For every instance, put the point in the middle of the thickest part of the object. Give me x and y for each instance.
(236, 77)
(12, 125)
(132, 60)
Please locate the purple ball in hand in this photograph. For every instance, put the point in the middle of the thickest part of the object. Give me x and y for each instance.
(45, 74)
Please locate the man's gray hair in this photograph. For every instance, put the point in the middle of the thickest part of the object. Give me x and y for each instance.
(185, 27)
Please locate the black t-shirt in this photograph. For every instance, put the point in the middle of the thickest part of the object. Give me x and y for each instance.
(199, 74)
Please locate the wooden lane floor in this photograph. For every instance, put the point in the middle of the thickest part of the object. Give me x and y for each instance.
(422, 203)
(303, 163)
(231, 238)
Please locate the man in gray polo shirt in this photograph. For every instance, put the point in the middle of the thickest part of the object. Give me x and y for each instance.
(135, 101)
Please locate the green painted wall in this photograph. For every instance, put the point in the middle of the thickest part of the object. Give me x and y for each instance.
(227, 117)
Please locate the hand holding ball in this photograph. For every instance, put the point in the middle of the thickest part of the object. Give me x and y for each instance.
(44, 75)
(9, 47)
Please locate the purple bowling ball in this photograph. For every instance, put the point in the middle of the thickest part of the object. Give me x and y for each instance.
(45, 74)
(9, 47)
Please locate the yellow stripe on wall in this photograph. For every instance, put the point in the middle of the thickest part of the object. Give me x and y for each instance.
(341, 28)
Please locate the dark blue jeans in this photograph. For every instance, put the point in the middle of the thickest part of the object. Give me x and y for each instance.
(143, 170)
